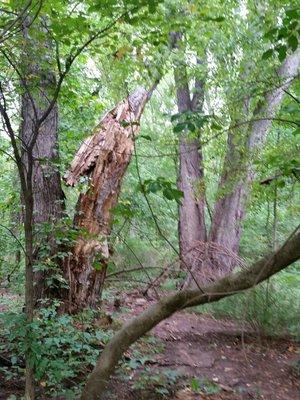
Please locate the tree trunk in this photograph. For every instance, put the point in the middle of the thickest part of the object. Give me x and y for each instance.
(104, 157)
(229, 207)
(38, 85)
(47, 191)
(141, 324)
(191, 227)
(238, 173)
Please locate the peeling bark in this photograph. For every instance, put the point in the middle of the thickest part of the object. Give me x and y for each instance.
(141, 324)
(104, 157)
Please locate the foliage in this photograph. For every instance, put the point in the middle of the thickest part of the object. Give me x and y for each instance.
(204, 385)
(99, 51)
(285, 36)
(270, 309)
(162, 382)
(65, 348)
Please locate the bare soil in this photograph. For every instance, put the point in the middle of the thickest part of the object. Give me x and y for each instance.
(221, 353)
(237, 362)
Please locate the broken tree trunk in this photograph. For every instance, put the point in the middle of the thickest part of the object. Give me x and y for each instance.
(104, 157)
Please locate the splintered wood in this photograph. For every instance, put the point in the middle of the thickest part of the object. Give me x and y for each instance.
(119, 124)
(104, 158)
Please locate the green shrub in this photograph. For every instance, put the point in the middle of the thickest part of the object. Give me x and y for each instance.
(162, 381)
(64, 348)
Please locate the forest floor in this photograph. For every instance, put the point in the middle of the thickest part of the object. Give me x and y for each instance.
(217, 359)
(193, 356)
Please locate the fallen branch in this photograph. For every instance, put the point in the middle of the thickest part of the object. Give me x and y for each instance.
(141, 324)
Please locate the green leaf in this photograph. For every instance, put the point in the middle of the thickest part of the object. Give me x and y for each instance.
(267, 54)
(219, 19)
(191, 127)
(181, 126)
(281, 50)
(280, 184)
(214, 19)
(296, 132)
(195, 385)
(270, 34)
(282, 33)
(147, 137)
(292, 13)
(172, 194)
(293, 42)
(154, 187)
(97, 266)
(152, 6)
(216, 126)
(174, 117)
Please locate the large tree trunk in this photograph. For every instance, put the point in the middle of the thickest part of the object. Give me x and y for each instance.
(238, 172)
(219, 254)
(191, 227)
(38, 84)
(47, 191)
(141, 324)
(105, 157)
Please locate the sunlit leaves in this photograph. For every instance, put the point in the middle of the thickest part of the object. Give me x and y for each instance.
(285, 37)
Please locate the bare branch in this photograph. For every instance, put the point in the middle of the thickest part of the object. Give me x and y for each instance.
(15, 237)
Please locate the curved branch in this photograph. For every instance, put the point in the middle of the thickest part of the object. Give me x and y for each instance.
(139, 325)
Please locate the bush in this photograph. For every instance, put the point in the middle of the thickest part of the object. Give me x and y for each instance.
(64, 348)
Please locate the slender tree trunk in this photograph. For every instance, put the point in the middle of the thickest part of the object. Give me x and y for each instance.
(104, 157)
(40, 181)
(29, 291)
(229, 208)
(191, 227)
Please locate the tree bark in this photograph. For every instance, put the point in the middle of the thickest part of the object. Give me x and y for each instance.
(141, 324)
(40, 181)
(191, 226)
(38, 84)
(238, 173)
(105, 157)
(47, 191)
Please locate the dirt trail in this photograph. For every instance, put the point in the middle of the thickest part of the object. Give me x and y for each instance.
(241, 365)
(215, 352)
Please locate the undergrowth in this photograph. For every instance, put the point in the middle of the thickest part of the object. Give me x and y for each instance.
(64, 349)
(271, 308)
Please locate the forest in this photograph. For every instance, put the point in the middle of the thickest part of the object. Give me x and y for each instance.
(149, 199)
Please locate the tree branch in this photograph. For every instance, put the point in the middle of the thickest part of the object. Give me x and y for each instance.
(141, 324)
